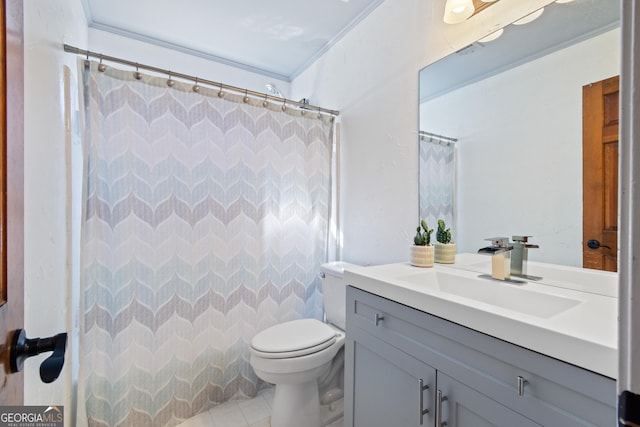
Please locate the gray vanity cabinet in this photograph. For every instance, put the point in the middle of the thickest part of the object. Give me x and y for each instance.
(399, 388)
(394, 352)
(462, 406)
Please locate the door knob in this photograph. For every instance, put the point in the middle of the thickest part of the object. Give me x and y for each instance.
(594, 244)
(22, 348)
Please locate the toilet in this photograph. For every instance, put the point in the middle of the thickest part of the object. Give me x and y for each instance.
(304, 358)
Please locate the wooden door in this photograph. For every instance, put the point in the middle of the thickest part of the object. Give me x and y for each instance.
(11, 201)
(600, 102)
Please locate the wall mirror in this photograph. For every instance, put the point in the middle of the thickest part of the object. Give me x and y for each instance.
(514, 107)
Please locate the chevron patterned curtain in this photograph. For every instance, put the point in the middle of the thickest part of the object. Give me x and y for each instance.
(437, 183)
(206, 220)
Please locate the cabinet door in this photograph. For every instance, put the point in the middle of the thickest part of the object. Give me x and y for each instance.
(461, 406)
(389, 388)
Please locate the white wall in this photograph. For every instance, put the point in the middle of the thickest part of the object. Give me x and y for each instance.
(520, 166)
(145, 53)
(371, 76)
(47, 25)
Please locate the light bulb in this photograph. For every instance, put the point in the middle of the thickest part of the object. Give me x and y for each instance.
(456, 11)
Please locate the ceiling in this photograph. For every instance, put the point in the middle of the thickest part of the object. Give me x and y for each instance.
(277, 38)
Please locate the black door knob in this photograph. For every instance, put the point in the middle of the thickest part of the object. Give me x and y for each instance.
(594, 244)
(23, 348)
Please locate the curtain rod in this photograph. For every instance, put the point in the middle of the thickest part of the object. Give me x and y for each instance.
(87, 53)
(439, 139)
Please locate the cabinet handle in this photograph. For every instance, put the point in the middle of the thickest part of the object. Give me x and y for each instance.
(378, 319)
(439, 399)
(521, 383)
(421, 389)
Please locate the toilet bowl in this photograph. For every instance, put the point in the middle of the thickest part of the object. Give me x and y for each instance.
(295, 355)
(295, 368)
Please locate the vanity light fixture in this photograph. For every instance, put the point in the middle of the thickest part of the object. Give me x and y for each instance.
(530, 17)
(491, 37)
(456, 11)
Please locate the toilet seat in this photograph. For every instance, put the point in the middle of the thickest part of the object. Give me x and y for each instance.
(293, 339)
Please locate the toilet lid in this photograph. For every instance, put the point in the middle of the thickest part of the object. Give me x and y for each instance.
(294, 338)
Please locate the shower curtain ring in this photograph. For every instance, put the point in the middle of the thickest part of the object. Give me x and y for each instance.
(319, 113)
(196, 88)
(170, 82)
(284, 105)
(246, 96)
(137, 74)
(265, 103)
(220, 92)
(87, 63)
(101, 66)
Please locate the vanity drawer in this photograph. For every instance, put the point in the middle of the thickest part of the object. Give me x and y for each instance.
(547, 390)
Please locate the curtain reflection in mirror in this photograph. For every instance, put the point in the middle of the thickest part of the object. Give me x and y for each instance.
(437, 178)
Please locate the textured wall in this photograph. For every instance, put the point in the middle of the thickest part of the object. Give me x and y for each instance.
(47, 182)
(371, 76)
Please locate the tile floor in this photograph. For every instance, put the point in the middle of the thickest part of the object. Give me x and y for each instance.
(255, 412)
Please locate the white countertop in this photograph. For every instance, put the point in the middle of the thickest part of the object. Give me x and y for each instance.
(584, 335)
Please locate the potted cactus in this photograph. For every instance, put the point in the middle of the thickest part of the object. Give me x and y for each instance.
(422, 252)
(445, 250)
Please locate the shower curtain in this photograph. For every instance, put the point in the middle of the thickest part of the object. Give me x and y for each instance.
(205, 220)
(437, 183)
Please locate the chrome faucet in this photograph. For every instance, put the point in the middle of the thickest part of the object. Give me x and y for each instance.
(500, 251)
(519, 255)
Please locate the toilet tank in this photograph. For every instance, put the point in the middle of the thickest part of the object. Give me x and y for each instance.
(334, 292)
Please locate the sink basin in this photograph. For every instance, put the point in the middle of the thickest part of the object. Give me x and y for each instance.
(511, 296)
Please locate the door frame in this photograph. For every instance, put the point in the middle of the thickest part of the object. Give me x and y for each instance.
(629, 164)
(12, 313)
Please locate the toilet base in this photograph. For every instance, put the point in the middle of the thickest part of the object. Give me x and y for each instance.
(295, 405)
(332, 412)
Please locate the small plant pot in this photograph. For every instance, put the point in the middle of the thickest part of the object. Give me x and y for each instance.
(445, 253)
(422, 256)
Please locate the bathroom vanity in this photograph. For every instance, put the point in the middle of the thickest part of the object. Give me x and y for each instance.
(447, 345)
